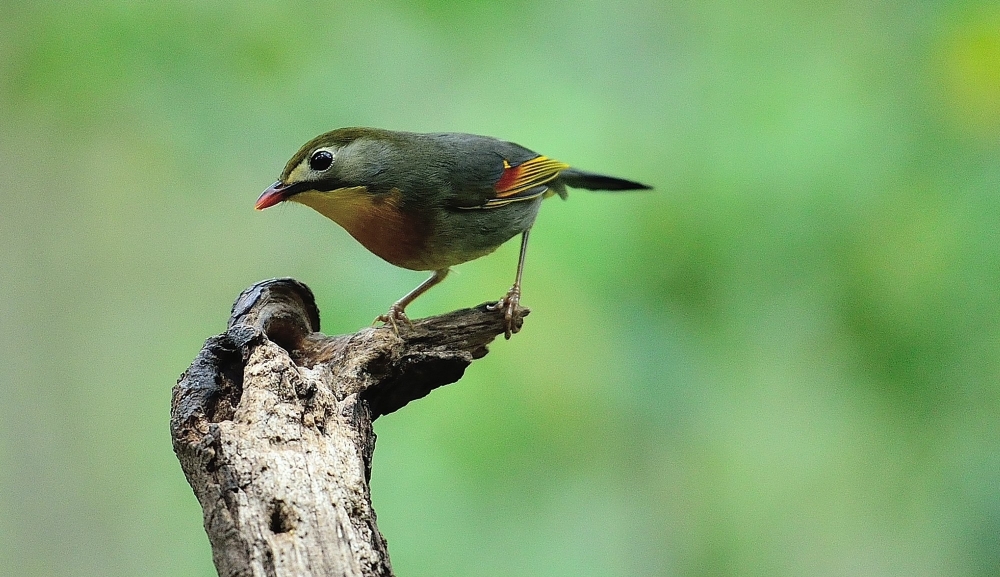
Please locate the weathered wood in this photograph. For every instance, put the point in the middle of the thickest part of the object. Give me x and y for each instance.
(272, 425)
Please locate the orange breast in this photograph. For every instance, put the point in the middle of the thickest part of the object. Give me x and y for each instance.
(376, 221)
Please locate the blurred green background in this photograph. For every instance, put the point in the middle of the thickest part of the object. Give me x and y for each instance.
(783, 361)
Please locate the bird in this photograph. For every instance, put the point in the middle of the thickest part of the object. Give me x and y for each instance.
(430, 201)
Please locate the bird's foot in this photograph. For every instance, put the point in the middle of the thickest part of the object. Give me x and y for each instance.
(513, 314)
(393, 318)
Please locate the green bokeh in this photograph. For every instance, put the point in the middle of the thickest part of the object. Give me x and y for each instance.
(784, 361)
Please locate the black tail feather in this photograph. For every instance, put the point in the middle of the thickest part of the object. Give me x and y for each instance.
(580, 179)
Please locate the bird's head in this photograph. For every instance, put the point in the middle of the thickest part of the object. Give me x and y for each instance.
(333, 161)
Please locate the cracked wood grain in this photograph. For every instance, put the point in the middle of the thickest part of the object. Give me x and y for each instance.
(272, 425)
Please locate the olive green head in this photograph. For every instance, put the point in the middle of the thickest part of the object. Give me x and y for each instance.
(339, 159)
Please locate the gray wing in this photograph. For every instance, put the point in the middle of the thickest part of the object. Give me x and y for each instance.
(486, 172)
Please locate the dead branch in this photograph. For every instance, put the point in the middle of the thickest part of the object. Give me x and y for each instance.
(272, 424)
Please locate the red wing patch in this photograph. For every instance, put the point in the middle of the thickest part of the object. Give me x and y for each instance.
(527, 175)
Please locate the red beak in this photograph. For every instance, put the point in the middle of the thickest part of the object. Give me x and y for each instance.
(272, 196)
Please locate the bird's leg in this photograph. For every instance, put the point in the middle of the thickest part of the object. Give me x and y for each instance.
(510, 304)
(397, 310)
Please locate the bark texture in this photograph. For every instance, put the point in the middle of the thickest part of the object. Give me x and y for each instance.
(272, 424)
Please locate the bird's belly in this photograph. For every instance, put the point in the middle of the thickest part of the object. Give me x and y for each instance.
(464, 235)
(442, 257)
(418, 241)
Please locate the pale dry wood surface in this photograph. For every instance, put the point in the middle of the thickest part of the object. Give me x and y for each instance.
(272, 424)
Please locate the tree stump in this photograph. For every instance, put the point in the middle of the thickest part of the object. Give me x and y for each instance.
(272, 424)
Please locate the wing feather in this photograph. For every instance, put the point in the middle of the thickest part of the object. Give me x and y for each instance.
(526, 176)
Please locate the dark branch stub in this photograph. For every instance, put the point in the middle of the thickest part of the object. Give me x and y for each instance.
(272, 424)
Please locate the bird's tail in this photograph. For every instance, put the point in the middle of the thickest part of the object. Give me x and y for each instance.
(575, 178)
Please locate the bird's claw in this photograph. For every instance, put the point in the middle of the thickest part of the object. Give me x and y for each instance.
(394, 316)
(513, 314)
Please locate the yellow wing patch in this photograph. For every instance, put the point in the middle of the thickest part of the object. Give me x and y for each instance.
(527, 175)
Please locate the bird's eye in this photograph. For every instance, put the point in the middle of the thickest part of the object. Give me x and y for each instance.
(320, 160)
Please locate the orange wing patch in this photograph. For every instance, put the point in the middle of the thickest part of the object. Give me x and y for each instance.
(527, 175)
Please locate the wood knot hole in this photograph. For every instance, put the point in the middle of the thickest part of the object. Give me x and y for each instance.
(281, 517)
